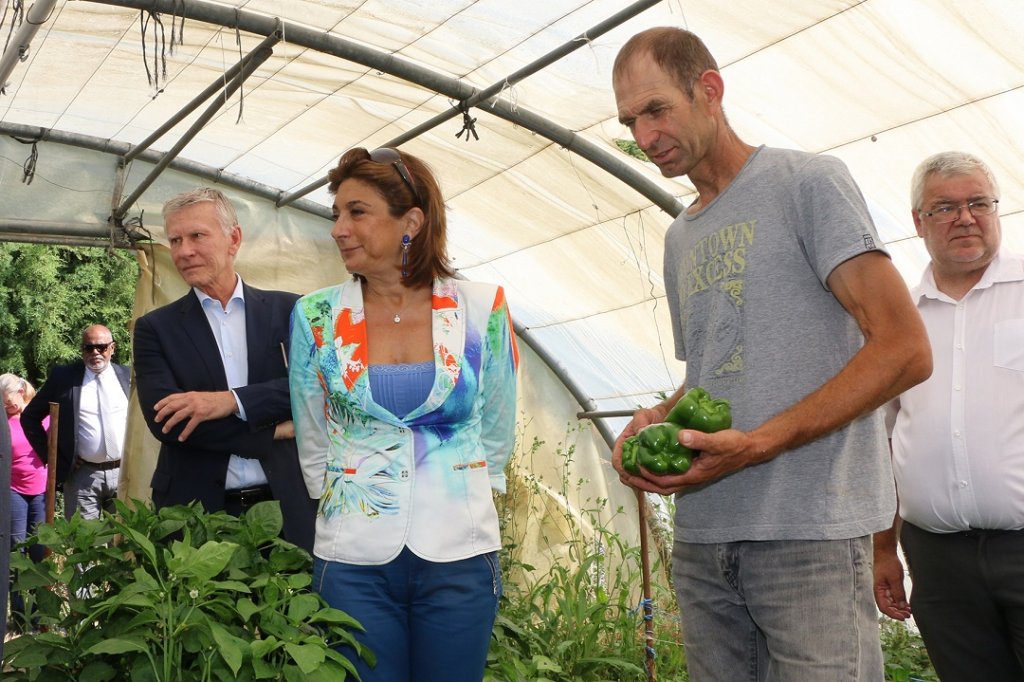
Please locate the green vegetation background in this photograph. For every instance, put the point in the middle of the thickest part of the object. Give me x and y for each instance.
(49, 294)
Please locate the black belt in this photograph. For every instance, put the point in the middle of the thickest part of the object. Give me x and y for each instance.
(101, 466)
(987, 532)
(969, 533)
(249, 496)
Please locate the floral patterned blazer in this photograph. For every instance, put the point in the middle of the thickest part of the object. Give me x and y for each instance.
(423, 481)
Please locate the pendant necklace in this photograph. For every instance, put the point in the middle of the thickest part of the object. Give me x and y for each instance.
(398, 315)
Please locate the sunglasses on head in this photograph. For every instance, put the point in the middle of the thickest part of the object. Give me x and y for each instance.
(101, 347)
(387, 155)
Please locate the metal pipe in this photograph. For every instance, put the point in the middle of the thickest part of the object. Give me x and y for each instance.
(602, 414)
(63, 241)
(286, 199)
(385, 62)
(570, 383)
(200, 170)
(55, 228)
(497, 87)
(215, 86)
(17, 48)
(550, 58)
(258, 57)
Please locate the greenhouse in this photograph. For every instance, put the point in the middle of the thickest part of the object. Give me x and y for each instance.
(109, 107)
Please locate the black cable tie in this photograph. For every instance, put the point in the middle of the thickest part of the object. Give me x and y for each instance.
(29, 167)
(143, 24)
(468, 124)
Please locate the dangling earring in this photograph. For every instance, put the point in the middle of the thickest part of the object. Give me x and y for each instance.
(406, 243)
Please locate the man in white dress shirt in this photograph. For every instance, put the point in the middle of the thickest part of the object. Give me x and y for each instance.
(958, 438)
(93, 399)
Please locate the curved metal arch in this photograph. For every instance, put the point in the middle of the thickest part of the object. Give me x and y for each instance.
(120, 149)
(391, 64)
(457, 90)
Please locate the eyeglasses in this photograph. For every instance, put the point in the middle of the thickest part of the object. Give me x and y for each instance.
(947, 213)
(387, 155)
(101, 347)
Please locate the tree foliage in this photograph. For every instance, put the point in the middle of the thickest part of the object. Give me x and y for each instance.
(631, 148)
(49, 294)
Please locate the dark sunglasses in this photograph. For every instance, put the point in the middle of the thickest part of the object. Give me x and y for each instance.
(387, 155)
(101, 347)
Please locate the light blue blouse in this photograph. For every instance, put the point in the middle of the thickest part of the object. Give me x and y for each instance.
(401, 388)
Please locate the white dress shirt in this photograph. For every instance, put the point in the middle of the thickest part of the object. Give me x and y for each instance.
(228, 326)
(958, 438)
(91, 446)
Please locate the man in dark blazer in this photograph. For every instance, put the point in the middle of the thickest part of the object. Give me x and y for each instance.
(212, 377)
(88, 461)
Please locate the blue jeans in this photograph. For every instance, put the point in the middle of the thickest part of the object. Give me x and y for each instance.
(27, 511)
(779, 611)
(425, 621)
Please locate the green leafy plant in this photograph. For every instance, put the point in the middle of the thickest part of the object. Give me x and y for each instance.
(906, 659)
(173, 595)
(580, 619)
(631, 148)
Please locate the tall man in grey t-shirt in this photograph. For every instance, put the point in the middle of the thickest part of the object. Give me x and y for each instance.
(783, 302)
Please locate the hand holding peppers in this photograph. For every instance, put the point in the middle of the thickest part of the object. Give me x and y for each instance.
(697, 410)
(657, 448)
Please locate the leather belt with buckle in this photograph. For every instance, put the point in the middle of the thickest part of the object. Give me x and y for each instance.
(101, 466)
(249, 496)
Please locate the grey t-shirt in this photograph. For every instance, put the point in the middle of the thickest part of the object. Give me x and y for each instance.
(756, 323)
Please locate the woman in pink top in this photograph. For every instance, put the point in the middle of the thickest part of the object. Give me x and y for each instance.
(28, 479)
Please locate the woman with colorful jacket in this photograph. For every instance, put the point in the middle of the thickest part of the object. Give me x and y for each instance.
(403, 389)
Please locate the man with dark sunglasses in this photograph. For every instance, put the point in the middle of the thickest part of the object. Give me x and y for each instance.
(93, 398)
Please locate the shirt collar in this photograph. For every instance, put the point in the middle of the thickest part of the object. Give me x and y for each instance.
(237, 294)
(91, 376)
(1005, 267)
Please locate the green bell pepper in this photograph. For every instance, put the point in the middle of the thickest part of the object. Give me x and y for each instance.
(630, 450)
(656, 448)
(697, 410)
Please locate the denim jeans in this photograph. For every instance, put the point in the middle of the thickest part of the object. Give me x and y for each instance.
(27, 511)
(425, 621)
(778, 611)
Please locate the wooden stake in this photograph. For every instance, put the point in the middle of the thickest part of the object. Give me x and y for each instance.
(51, 463)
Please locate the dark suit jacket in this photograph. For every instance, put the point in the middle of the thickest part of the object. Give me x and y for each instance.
(175, 351)
(63, 386)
